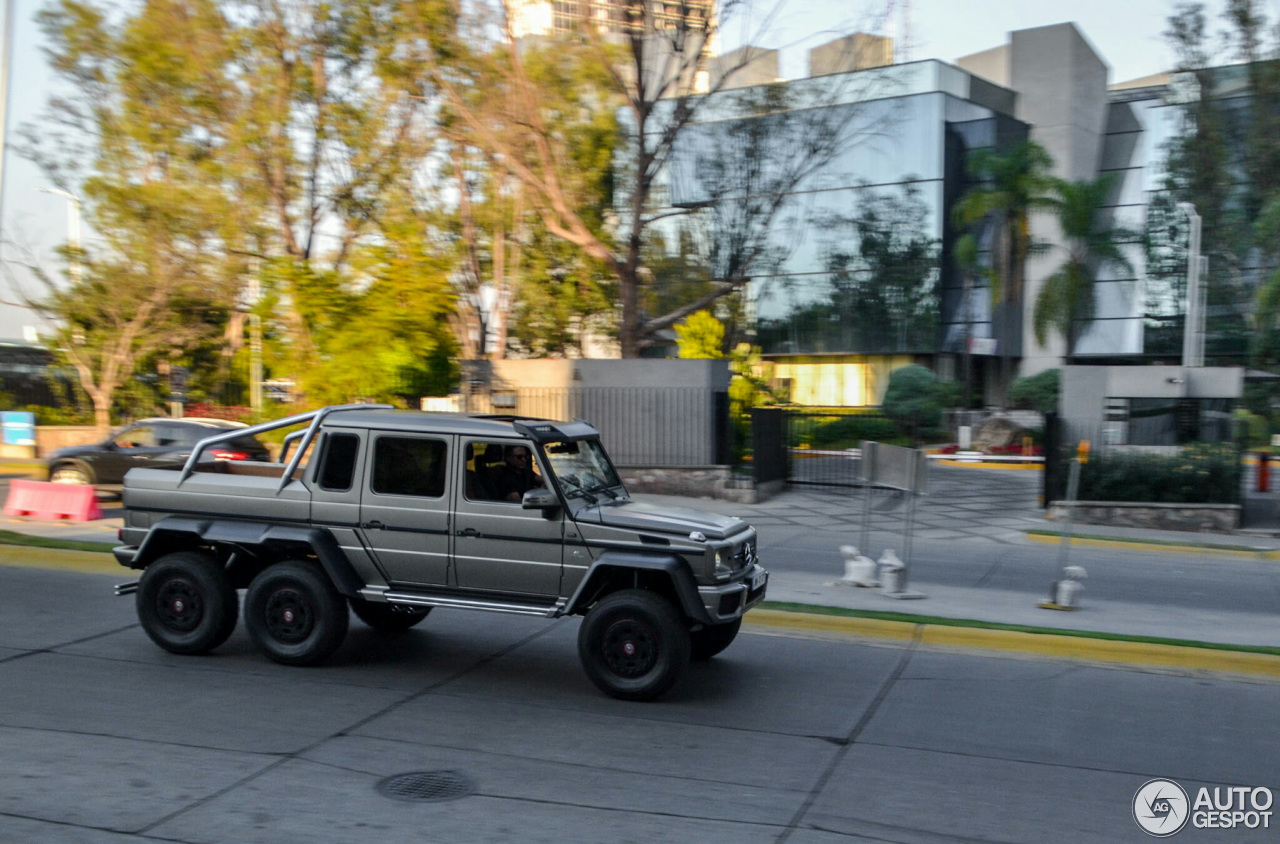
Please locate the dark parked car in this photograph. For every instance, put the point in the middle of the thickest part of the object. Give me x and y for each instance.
(153, 443)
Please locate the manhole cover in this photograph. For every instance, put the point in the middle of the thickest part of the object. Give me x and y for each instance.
(427, 786)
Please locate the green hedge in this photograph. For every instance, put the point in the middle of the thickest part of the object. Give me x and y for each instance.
(843, 431)
(1202, 473)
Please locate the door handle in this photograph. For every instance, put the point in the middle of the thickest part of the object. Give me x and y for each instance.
(375, 525)
(472, 532)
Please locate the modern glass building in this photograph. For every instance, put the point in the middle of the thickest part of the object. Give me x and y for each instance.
(856, 274)
(851, 272)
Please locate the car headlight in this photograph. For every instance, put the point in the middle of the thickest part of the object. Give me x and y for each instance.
(721, 570)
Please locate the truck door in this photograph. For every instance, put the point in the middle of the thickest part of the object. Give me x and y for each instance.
(404, 506)
(498, 545)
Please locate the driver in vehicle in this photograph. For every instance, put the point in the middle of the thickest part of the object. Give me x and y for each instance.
(517, 476)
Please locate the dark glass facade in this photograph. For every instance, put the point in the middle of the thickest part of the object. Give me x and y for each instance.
(858, 259)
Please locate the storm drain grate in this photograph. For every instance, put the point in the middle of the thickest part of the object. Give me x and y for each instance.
(427, 786)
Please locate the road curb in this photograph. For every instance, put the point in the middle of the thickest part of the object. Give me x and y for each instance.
(976, 464)
(1125, 544)
(1040, 644)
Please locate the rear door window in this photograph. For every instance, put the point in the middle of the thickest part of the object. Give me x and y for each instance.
(409, 466)
(338, 471)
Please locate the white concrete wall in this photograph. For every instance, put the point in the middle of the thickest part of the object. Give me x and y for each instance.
(1062, 93)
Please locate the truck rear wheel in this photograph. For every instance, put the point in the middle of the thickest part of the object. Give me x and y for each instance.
(633, 645)
(711, 640)
(387, 619)
(294, 614)
(186, 603)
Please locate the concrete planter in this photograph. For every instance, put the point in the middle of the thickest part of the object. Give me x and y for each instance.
(1202, 518)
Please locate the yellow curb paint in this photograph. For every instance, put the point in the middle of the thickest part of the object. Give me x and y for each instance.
(1103, 650)
(1153, 546)
(814, 623)
(991, 465)
(87, 562)
(1041, 644)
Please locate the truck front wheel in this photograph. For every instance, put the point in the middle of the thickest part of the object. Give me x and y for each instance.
(294, 614)
(633, 645)
(186, 603)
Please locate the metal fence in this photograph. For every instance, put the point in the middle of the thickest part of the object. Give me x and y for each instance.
(768, 445)
(659, 427)
(815, 447)
(823, 445)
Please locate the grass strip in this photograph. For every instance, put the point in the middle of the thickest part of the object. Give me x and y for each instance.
(8, 537)
(813, 609)
(1176, 543)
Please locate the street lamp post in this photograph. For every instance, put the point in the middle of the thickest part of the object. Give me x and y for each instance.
(73, 227)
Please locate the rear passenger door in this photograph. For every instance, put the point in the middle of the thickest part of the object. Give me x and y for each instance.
(404, 506)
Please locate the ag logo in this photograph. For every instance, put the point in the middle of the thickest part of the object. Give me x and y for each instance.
(1161, 808)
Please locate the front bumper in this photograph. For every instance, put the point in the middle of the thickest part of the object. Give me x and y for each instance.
(729, 601)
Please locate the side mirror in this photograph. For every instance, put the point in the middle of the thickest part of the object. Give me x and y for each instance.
(109, 445)
(539, 499)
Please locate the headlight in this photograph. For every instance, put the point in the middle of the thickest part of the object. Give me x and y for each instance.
(722, 571)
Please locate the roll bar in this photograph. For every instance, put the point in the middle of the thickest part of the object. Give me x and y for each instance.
(316, 417)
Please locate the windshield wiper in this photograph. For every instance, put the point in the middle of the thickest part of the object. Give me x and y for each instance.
(606, 489)
(591, 499)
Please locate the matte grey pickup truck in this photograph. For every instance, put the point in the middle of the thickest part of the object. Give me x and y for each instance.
(394, 513)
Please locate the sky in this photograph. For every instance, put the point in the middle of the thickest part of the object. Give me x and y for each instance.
(1126, 33)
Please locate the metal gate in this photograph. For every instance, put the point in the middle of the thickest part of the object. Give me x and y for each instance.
(815, 447)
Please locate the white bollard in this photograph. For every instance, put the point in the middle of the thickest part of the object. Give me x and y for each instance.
(891, 569)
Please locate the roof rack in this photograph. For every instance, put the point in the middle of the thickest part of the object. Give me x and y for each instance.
(314, 416)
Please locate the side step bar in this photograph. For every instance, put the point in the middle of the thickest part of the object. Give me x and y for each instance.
(414, 600)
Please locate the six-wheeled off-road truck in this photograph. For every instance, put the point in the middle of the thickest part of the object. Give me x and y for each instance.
(394, 513)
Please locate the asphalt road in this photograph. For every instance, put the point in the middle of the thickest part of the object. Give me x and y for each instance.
(105, 738)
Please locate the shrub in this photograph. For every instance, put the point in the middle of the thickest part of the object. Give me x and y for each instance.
(845, 431)
(1036, 392)
(912, 399)
(1202, 473)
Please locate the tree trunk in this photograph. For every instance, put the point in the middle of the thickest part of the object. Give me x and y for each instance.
(101, 412)
(629, 330)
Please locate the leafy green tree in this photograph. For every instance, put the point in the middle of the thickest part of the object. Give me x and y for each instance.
(147, 93)
(912, 399)
(1010, 187)
(700, 336)
(1065, 302)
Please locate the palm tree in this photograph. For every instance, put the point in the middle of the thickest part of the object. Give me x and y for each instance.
(1065, 302)
(1010, 186)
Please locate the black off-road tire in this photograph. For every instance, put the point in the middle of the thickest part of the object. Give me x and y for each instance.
(70, 473)
(387, 619)
(294, 614)
(186, 603)
(711, 640)
(633, 645)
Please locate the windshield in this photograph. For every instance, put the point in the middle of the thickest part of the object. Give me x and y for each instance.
(582, 466)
